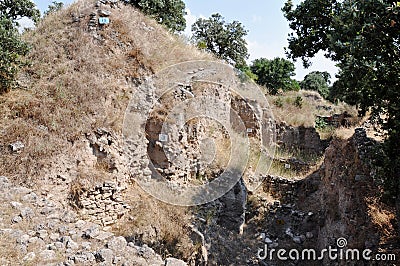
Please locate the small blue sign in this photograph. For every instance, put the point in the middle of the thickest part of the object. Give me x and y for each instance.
(103, 20)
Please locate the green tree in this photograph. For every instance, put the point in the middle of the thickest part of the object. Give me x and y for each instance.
(16, 9)
(363, 37)
(275, 74)
(54, 7)
(317, 81)
(170, 13)
(225, 40)
(12, 48)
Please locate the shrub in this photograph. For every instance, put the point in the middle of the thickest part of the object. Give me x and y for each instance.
(278, 102)
(320, 123)
(12, 48)
(298, 102)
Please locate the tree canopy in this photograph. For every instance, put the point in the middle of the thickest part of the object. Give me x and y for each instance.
(54, 7)
(15, 9)
(170, 13)
(363, 37)
(275, 74)
(225, 40)
(12, 48)
(317, 81)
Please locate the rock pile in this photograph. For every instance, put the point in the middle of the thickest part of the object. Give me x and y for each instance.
(104, 204)
(94, 16)
(37, 229)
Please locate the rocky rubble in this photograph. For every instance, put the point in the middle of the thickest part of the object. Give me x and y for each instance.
(103, 204)
(42, 231)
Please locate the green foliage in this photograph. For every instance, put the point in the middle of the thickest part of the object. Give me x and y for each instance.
(363, 37)
(247, 71)
(317, 81)
(12, 48)
(320, 123)
(275, 74)
(278, 102)
(294, 85)
(54, 7)
(170, 13)
(298, 102)
(225, 40)
(15, 9)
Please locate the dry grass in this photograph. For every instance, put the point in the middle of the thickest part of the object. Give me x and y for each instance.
(344, 132)
(285, 109)
(381, 216)
(160, 225)
(9, 253)
(278, 168)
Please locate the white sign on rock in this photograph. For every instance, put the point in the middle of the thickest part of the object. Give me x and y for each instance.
(103, 20)
(163, 137)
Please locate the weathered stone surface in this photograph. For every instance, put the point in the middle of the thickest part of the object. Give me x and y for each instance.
(174, 262)
(4, 182)
(16, 219)
(303, 138)
(29, 257)
(84, 258)
(17, 146)
(16, 204)
(105, 255)
(23, 239)
(27, 213)
(104, 235)
(91, 232)
(117, 244)
(104, 13)
(47, 255)
(232, 213)
(72, 245)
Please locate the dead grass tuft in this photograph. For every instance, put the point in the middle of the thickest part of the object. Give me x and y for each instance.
(381, 216)
(344, 132)
(76, 189)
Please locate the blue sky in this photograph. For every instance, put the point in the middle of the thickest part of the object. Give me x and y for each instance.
(268, 28)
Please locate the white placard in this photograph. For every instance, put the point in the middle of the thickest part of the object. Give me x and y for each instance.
(163, 137)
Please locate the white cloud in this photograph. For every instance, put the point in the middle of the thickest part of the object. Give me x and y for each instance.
(319, 63)
(258, 50)
(190, 19)
(256, 19)
(25, 22)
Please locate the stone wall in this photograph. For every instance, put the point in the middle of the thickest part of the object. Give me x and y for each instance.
(280, 188)
(103, 204)
(303, 138)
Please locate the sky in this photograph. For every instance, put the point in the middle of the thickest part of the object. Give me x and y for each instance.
(267, 27)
